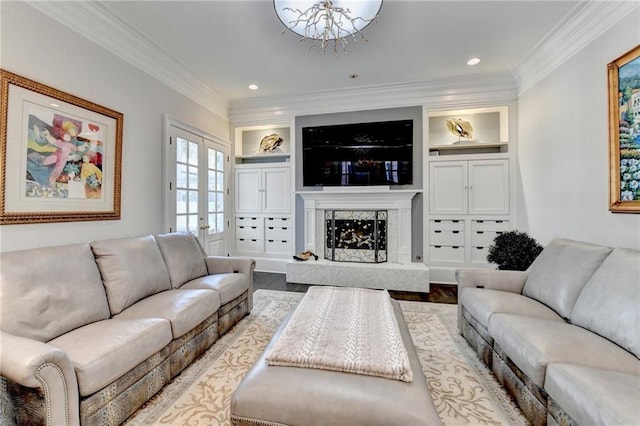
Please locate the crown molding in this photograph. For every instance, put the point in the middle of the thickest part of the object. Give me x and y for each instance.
(468, 91)
(93, 22)
(585, 23)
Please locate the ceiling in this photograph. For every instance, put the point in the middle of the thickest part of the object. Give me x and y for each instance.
(229, 44)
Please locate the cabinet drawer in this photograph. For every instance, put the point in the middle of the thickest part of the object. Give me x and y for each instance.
(277, 221)
(479, 254)
(249, 245)
(447, 253)
(446, 225)
(483, 238)
(277, 233)
(248, 232)
(277, 246)
(247, 221)
(446, 238)
(489, 225)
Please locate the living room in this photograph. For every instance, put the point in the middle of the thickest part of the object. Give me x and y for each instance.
(557, 98)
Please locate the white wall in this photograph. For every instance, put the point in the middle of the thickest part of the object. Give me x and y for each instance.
(39, 48)
(563, 148)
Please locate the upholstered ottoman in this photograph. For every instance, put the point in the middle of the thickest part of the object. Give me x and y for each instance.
(283, 395)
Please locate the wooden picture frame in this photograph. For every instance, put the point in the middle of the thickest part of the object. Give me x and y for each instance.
(624, 133)
(60, 155)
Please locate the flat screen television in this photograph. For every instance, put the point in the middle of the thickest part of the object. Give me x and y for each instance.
(377, 153)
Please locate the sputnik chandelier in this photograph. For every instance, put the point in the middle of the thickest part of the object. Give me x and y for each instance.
(329, 21)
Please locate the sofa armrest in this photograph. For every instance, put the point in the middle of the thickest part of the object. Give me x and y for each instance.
(511, 281)
(227, 264)
(34, 364)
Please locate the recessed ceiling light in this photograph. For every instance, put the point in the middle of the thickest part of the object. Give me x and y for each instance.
(253, 86)
(473, 61)
(55, 105)
(352, 76)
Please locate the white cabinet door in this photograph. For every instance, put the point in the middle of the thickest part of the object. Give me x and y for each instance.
(276, 190)
(248, 190)
(489, 187)
(448, 187)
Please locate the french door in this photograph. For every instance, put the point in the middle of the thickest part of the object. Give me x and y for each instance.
(197, 190)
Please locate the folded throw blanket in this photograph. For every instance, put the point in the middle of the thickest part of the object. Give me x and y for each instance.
(352, 330)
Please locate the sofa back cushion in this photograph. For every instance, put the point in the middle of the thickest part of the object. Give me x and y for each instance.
(183, 257)
(49, 291)
(131, 268)
(559, 273)
(609, 304)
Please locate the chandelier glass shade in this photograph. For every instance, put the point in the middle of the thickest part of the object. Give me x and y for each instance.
(327, 22)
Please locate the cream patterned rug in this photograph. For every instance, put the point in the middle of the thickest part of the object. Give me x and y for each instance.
(463, 389)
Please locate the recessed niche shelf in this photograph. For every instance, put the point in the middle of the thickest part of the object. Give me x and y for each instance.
(247, 144)
(490, 131)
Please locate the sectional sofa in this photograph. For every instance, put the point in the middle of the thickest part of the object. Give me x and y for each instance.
(90, 332)
(563, 337)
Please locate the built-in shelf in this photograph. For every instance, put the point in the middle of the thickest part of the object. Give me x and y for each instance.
(276, 156)
(469, 147)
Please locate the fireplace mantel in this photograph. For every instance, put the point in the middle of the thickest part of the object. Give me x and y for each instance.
(360, 198)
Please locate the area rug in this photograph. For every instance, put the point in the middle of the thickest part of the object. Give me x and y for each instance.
(463, 389)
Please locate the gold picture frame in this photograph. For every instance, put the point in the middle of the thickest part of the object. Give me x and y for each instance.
(60, 155)
(624, 133)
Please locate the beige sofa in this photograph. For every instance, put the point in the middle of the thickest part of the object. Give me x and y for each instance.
(91, 331)
(563, 337)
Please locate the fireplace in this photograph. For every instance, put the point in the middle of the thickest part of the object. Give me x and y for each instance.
(356, 236)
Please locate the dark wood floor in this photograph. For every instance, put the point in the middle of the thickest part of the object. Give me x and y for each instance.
(439, 293)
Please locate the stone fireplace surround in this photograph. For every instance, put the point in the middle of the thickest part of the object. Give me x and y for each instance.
(398, 273)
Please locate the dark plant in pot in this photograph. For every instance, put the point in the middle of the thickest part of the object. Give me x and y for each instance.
(513, 250)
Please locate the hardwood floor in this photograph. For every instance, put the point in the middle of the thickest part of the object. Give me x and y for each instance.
(440, 293)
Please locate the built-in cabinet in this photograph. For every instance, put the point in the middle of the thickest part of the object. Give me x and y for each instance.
(470, 187)
(263, 197)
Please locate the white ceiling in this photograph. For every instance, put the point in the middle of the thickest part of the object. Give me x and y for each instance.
(229, 44)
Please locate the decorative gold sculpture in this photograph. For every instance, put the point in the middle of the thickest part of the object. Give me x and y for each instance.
(269, 143)
(460, 128)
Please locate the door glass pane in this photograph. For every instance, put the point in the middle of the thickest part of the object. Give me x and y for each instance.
(219, 202)
(212, 223)
(181, 150)
(193, 153)
(193, 177)
(193, 223)
(181, 176)
(211, 180)
(220, 222)
(181, 223)
(219, 160)
(220, 181)
(181, 201)
(193, 201)
(211, 206)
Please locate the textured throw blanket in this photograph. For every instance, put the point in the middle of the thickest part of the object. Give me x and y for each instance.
(352, 330)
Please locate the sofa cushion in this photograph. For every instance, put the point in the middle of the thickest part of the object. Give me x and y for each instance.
(560, 272)
(104, 351)
(229, 286)
(533, 343)
(482, 303)
(184, 309)
(609, 304)
(183, 256)
(131, 268)
(49, 291)
(594, 396)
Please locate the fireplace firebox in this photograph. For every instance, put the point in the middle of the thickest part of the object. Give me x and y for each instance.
(356, 236)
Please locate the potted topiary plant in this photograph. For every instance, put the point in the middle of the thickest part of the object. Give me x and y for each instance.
(513, 250)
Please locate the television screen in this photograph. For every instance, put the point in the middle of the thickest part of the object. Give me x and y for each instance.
(378, 153)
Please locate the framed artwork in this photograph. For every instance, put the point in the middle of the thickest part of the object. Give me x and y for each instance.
(624, 133)
(60, 155)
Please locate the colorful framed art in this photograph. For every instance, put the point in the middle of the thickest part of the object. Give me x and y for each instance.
(624, 133)
(60, 155)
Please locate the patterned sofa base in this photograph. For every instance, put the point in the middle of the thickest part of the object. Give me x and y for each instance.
(115, 403)
(531, 399)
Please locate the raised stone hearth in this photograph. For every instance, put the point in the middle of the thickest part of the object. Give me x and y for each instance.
(390, 276)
